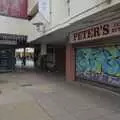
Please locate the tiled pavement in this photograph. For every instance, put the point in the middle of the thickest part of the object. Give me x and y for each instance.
(30, 95)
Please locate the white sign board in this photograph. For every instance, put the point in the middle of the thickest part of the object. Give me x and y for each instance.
(44, 8)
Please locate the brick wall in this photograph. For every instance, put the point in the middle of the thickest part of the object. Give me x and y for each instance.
(70, 63)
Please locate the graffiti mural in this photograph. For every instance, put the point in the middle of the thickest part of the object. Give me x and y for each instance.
(99, 64)
(14, 8)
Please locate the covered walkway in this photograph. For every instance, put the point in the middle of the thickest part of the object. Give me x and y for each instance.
(31, 95)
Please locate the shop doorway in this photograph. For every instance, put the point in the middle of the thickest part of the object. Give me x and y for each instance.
(24, 57)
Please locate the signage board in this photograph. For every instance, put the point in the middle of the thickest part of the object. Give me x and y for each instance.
(99, 31)
(11, 39)
(8, 42)
(14, 8)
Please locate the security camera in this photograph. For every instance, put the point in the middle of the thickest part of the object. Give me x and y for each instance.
(38, 24)
(40, 27)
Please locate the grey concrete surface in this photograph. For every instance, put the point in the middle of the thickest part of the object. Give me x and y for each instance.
(30, 95)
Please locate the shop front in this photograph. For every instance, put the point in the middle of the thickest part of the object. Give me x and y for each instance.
(97, 53)
(51, 58)
(8, 44)
(7, 59)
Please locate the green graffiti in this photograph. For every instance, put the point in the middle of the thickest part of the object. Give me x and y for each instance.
(99, 60)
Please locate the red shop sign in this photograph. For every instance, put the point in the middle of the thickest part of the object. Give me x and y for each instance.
(96, 32)
(14, 8)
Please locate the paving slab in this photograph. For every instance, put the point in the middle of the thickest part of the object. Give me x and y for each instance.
(28, 110)
(31, 95)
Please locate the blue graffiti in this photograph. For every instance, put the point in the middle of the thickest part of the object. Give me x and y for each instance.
(99, 60)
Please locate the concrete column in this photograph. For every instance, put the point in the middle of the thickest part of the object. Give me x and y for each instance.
(43, 49)
(24, 58)
(43, 57)
(70, 63)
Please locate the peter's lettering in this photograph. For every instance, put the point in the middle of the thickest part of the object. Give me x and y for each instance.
(96, 32)
(106, 29)
(75, 36)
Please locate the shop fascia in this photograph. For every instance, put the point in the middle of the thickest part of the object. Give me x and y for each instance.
(96, 32)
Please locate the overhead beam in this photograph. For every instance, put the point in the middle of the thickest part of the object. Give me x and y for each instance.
(33, 12)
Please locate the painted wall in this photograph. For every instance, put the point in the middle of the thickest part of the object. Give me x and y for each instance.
(99, 64)
(15, 8)
(58, 12)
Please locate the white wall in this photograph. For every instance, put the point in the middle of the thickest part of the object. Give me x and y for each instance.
(58, 12)
(79, 6)
(60, 9)
(84, 8)
(34, 33)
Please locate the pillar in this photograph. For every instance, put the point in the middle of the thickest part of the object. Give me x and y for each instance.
(43, 58)
(24, 56)
(43, 49)
(70, 62)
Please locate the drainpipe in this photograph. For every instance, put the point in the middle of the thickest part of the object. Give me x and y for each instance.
(68, 5)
